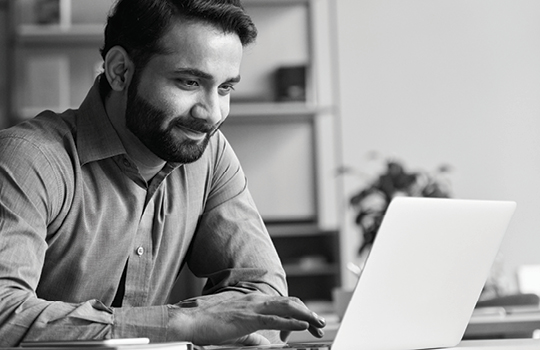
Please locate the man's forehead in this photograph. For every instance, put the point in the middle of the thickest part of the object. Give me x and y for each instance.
(196, 44)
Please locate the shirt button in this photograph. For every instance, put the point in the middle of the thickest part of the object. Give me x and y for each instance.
(140, 251)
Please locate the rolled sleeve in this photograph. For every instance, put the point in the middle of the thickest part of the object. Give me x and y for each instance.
(34, 319)
(150, 322)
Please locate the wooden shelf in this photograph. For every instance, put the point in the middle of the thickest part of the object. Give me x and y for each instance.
(77, 34)
(295, 229)
(246, 109)
(60, 35)
(266, 111)
(310, 257)
(274, 111)
(297, 270)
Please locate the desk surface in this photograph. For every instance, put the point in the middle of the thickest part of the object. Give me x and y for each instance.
(490, 330)
(499, 344)
(501, 323)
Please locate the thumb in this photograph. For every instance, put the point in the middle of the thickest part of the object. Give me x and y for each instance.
(253, 339)
(284, 336)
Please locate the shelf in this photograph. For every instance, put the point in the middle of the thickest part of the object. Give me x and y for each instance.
(60, 35)
(301, 270)
(274, 111)
(247, 109)
(298, 230)
(78, 34)
(268, 111)
(93, 33)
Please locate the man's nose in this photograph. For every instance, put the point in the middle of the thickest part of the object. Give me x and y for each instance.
(208, 108)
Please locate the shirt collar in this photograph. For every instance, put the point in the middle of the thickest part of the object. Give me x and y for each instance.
(96, 137)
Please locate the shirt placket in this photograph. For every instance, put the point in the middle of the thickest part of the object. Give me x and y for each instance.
(140, 262)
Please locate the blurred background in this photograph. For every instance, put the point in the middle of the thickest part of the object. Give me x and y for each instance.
(332, 91)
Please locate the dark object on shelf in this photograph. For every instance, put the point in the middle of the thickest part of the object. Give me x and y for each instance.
(291, 84)
(47, 11)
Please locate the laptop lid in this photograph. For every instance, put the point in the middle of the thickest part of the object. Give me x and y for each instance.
(424, 275)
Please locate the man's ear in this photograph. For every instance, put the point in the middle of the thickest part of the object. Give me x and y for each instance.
(118, 68)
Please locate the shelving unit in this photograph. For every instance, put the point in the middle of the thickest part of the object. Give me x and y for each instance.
(4, 71)
(310, 258)
(286, 148)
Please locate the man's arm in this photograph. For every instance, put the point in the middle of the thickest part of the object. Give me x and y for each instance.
(30, 194)
(34, 190)
(233, 250)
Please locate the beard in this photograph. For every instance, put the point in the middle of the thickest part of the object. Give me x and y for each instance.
(144, 121)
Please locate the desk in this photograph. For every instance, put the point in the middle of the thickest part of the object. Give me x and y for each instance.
(507, 327)
(499, 344)
(491, 344)
(500, 323)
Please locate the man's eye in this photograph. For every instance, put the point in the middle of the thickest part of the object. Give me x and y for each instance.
(226, 89)
(188, 83)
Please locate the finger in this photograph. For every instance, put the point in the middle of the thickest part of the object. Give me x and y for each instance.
(292, 307)
(285, 307)
(315, 331)
(282, 323)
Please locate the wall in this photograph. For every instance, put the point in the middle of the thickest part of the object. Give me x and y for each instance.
(450, 81)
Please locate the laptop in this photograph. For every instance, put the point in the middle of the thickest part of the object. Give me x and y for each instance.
(423, 277)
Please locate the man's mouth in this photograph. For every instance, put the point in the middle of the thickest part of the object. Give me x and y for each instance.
(198, 130)
(192, 133)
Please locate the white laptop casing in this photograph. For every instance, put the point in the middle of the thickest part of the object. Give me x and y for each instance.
(424, 275)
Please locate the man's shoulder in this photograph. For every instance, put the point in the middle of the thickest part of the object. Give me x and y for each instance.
(48, 133)
(42, 130)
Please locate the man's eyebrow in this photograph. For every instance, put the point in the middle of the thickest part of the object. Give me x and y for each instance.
(203, 75)
(235, 79)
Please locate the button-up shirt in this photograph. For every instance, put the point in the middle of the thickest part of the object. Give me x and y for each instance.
(75, 214)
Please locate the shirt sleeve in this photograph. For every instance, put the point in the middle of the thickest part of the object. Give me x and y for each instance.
(232, 247)
(30, 195)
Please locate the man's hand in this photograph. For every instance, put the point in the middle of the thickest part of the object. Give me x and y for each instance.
(217, 320)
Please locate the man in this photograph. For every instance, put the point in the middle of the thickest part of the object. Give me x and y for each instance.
(100, 207)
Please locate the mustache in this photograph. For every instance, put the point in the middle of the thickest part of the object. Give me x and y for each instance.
(197, 125)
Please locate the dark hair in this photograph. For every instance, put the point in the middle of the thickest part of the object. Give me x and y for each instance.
(138, 25)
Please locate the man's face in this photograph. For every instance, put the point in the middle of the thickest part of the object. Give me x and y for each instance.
(181, 97)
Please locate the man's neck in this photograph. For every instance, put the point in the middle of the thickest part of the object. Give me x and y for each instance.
(147, 162)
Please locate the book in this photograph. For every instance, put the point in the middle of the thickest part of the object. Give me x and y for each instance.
(109, 344)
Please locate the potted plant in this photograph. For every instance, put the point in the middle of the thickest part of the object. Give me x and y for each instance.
(371, 202)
